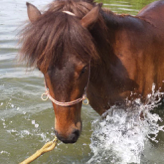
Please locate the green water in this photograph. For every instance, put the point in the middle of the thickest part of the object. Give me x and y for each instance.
(26, 122)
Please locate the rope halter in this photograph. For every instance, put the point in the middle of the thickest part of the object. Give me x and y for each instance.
(45, 96)
(69, 13)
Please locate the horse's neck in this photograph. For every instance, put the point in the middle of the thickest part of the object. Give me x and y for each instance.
(109, 78)
(111, 19)
(105, 40)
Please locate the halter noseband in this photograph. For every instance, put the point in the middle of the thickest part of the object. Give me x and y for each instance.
(47, 95)
(64, 104)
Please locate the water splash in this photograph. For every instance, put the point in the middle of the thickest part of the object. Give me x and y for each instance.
(119, 136)
(4, 152)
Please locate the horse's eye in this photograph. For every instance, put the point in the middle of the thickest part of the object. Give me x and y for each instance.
(83, 70)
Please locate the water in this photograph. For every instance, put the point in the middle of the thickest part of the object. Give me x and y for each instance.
(121, 135)
(26, 122)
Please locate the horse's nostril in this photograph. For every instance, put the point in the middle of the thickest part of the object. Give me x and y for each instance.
(75, 134)
(72, 138)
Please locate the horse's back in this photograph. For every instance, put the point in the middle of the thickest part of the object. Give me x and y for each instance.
(141, 47)
(153, 13)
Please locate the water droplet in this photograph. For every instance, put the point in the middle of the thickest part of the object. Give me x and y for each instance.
(36, 125)
(33, 122)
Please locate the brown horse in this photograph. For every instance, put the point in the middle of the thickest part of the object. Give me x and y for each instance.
(81, 47)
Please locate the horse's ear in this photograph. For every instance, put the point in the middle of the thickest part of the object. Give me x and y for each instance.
(91, 17)
(33, 12)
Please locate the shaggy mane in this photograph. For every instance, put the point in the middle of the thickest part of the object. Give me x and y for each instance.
(45, 40)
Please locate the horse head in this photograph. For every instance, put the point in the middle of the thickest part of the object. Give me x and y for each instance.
(61, 46)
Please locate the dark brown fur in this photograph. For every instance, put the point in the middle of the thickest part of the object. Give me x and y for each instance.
(126, 53)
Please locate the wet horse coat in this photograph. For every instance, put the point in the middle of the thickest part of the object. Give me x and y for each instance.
(126, 55)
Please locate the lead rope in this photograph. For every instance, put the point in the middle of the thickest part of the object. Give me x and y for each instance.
(52, 144)
(46, 148)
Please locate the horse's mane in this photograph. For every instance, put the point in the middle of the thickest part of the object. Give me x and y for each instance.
(45, 40)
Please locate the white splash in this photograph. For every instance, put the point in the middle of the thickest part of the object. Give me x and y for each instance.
(34, 123)
(120, 134)
(4, 152)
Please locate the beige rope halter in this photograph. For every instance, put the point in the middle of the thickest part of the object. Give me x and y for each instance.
(45, 96)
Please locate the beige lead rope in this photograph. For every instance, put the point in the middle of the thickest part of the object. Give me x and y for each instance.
(47, 147)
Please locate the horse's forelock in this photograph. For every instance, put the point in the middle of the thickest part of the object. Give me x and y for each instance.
(44, 41)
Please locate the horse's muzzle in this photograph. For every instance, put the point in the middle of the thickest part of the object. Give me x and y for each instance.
(72, 138)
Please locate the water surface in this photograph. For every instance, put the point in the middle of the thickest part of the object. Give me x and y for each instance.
(26, 122)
